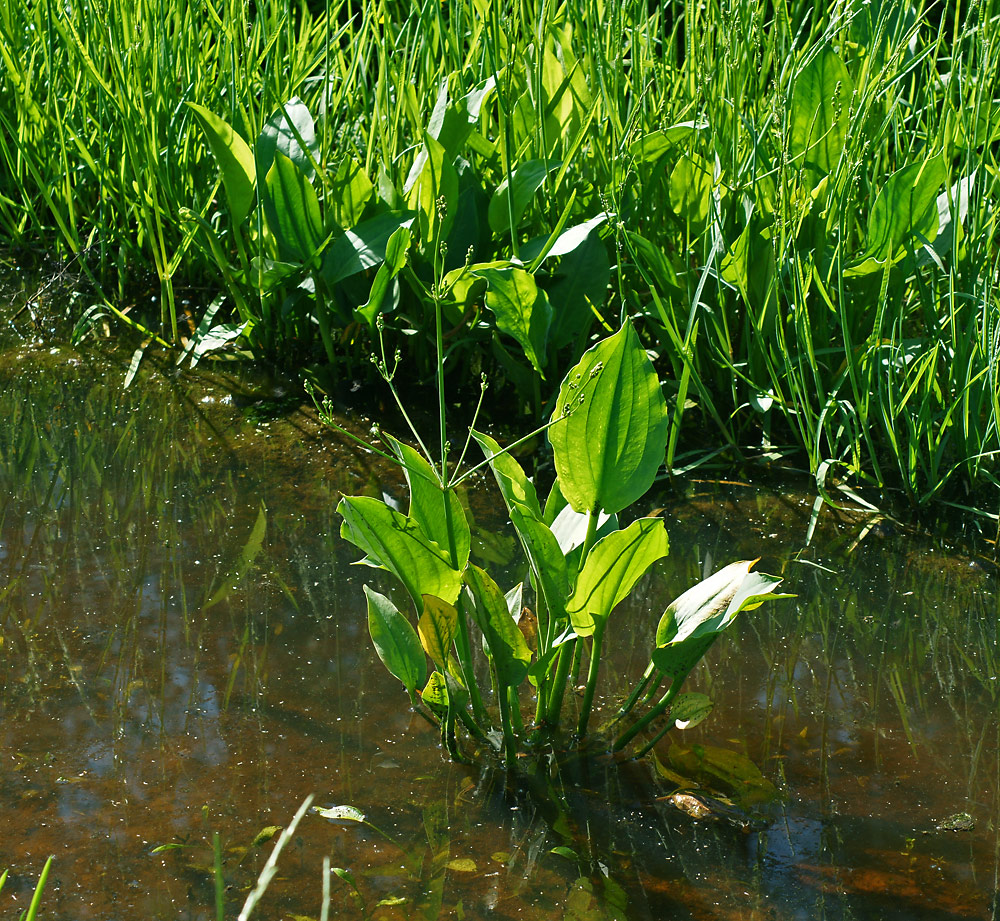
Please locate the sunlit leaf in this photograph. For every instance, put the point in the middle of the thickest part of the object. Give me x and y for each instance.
(613, 566)
(505, 641)
(295, 218)
(364, 246)
(608, 450)
(522, 310)
(691, 184)
(820, 111)
(235, 160)
(340, 813)
(395, 641)
(693, 621)
(349, 192)
(515, 487)
(906, 208)
(397, 543)
(436, 628)
(430, 505)
(290, 131)
(433, 193)
(525, 180)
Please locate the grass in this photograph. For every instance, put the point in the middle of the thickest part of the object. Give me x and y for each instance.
(802, 203)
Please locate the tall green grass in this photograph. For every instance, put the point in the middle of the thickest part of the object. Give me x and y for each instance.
(740, 150)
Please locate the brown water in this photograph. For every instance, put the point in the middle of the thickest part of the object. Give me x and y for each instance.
(135, 714)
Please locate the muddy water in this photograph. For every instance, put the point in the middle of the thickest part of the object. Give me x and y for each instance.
(183, 655)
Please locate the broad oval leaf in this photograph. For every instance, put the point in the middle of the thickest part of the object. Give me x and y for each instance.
(525, 180)
(712, 604)
(340, 813)
(820, 112)
(905, 208)
(397, 543)
(515, 487)
(430, 505)
(507, 646)
(294, 213)
(435, 693)
(291, 131)
(691, 183)
(613, 566)
(547, 561)
(349, 192)
(688, 710)
(364, 246)
(609, 447)
(522, 310)
(395, 641)
(435, 181)
(436, 628)
(235, 159)
(694, 620)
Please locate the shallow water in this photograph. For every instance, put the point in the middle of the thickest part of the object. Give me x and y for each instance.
(165, 676)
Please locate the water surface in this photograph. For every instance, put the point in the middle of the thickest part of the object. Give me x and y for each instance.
(184, 652)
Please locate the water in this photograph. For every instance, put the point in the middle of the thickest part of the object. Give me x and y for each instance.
(138, 719)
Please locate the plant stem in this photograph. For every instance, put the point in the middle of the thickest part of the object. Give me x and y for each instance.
(509, 743)
(592, 671)
(660, 707)
(633, 699)
(563, 662)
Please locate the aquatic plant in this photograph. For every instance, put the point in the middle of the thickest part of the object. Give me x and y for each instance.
(608, 433)
(31, 912)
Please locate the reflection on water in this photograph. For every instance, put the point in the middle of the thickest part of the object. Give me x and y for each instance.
(136, 713)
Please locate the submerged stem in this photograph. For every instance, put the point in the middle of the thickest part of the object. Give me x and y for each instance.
(592, 672)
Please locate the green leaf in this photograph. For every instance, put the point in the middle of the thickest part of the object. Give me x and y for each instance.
(435, 179)
(295, 220)
(525, 180)
(244, 561)
(235, 160)
(693, 621)
(613, 566)
(292, 132)
(548, 564)
(265, 835)
(437, 628)
(397, 543)
(736, 773)
(609, 448)
(395, 641)
(688, 710)
(515, 487)
(691, 184)
(820, 110)
(340, 813)
(570, 527)
(522, 310)
(349, 192)
(506, 643)
(363, 246)
(435, 693)
(907, 207)
(395, 259)
(654, 146)
(428, 503)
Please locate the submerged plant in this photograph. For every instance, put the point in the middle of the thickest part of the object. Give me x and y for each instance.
(608, 433)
